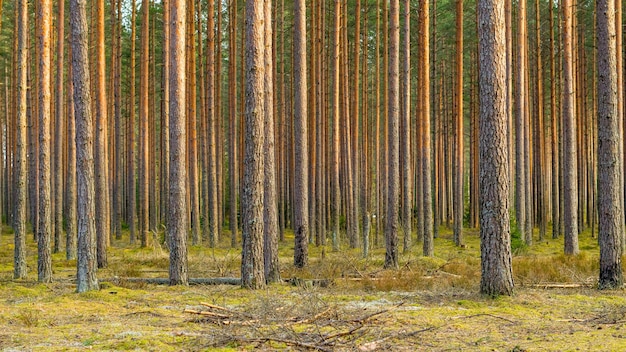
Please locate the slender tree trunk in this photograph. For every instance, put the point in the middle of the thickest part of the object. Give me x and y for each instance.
(232, 110)
(570, 189)
(459, 153)
(86, 279)
(132, 179)
(301, 196)
(520, 117)
(117, 112)
(609, 163)
(270, 212)
(212, 160)
(144, 205)
(60, 113)
(391, 228)
(556, 178)
(70, 235)
(426, 148)
(100, 147)
(497, 276)
(19, 220)
(44, 262)
(407, 200)
(177, 214)
(336, 198)
(253, 172)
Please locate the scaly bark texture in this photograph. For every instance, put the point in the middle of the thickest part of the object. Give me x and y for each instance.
(252, 275)
(101, 155)
(301, 176)
(44, 230)
(270, 211)
(495, 239)
(177, 215)
(86, 279)
(609, 163)
(19, 216)
(570, 174)
(393, 162)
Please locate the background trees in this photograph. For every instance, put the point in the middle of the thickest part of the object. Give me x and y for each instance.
(332, 122)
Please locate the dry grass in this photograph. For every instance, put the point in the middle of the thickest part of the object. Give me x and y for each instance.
(428, 304)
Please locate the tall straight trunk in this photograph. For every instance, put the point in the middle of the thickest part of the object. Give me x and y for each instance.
(570, 175)
(44, 261)
(252, 275)
(539, 150)
(70, 235)
(86, 279)
(301, 196)
(232, 112)
(407, 199)
(428, 244)
(212, 130)
(100, 147)
(609, 163)
(59, 127)
(144, 205)
(459, 153)
(391, 228)
(496, 273)
(377, 162)
(619, 45)
(556, 178)
(33, 130)
(117, 116)
(508, 17)
(354, 129)
(132, 178)
(177, 214)
(520, 125)
(336, 195)
(19, 217)
(270, 211)
(165, 122)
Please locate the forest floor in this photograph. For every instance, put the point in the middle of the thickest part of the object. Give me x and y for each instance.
(429, 304)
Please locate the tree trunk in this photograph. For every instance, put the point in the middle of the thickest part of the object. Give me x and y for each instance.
(60, 113)
(253, 171)
(520, 118)
(232, 111)
(428, 243)
(407, 199)
(336, 195)
(132, 179)
(301, 196)
(19, 221)
(87, 262)
(609, 163)
(496, 272)
(393, 177)
(144, 205)
(44, 262)
(100, 147)
(458, 182)
(177, 214)
(570, 188)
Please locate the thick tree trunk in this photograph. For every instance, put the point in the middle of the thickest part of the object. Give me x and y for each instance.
(177, 214)
(609, 163)
(87, 262)
(252, 275)
(497, 277)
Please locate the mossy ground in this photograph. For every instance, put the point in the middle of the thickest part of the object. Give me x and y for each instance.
(441, 308)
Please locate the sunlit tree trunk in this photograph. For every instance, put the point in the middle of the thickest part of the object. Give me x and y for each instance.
(407, 182)
(144, 107)
(520, 125)
(19, 217)
(132, 181)
(428, 244)
(59, 127)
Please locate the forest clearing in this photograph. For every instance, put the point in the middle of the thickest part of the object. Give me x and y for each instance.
(430, 304)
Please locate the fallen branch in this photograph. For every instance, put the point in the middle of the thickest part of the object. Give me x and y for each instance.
(166, 281)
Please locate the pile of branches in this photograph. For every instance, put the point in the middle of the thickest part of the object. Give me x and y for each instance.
(322, 328)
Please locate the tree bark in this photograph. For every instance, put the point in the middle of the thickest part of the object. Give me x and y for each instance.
(496, 272)
(459, 155)
(393, 177)
(86, 279)
(59, 126)
(44, 230)
(252, 275)
(19, 220)
(144, 204)
(609, 163)
(177, 214)
(301, 196)
(428, 244)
